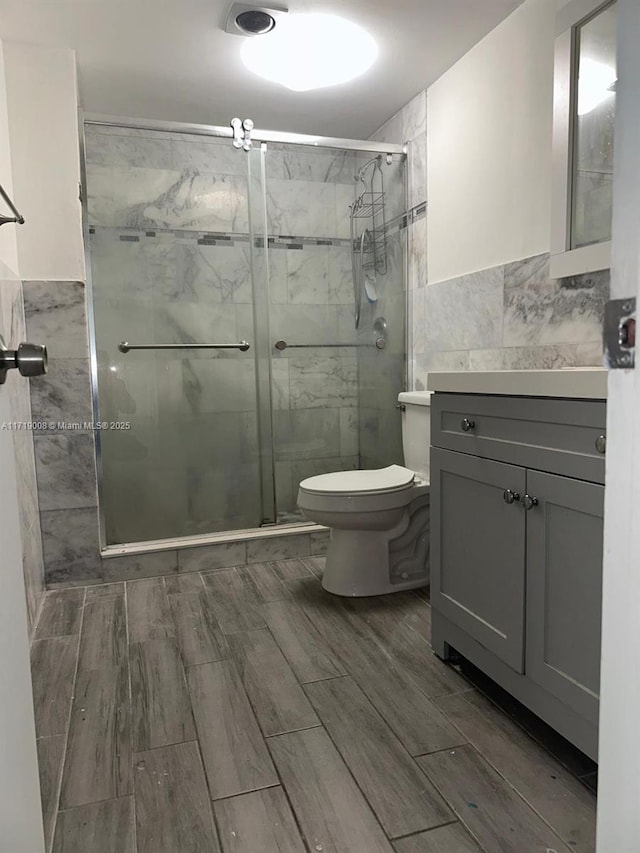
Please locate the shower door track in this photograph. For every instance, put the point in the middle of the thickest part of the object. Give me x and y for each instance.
(180, 542)
(257, 135)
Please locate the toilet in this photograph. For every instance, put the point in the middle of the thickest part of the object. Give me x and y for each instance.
(379, 519)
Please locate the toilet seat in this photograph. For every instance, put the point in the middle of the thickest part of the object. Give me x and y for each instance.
(379, 481)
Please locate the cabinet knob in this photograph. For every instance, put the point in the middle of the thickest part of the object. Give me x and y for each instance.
(510, 497)
(601, 444)
(466, 425)
(528, 502)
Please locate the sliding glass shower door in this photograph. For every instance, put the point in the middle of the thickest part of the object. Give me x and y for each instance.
(171, 236)
(195, 248)
(334, 386)
(313, 348)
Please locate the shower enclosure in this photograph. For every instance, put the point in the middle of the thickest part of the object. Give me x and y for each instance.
(228, 365)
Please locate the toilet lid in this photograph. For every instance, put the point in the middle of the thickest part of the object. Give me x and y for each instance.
(391, 479)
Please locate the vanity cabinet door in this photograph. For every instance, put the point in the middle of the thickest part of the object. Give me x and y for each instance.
(478, 550)
(564, 589)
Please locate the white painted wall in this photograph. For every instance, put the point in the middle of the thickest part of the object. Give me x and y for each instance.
(39, 168)
(489, 122)
(20, 817)
(8, 244)
(42, 104)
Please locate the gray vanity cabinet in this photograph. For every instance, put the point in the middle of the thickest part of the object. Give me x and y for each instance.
(564, 589)
(517, 499)
(480, 550)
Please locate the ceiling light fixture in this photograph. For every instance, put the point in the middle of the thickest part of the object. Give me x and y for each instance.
(311, 51)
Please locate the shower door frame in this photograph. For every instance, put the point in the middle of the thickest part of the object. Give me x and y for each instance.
(258, 137)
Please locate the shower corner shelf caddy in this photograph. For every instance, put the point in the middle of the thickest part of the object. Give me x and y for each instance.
(371, 206)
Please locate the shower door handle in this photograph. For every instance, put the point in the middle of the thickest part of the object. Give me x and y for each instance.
(125, 346)
(283, 345)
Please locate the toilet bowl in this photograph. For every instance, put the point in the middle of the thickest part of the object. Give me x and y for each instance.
(379, 519)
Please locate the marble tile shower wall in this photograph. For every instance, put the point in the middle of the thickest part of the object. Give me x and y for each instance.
(189, 415)
(380, 425)
(55, 313)
(13, 321)
(510, 317)
(315, 389)
(382, 373)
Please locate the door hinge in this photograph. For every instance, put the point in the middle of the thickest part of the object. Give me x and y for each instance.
(620, 333)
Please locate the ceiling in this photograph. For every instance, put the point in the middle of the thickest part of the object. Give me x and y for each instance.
(171, 59)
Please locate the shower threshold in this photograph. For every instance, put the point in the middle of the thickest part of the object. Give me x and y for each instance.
(180, 542)
(289, 518)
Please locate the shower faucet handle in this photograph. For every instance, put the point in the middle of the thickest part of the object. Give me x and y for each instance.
(28, 359)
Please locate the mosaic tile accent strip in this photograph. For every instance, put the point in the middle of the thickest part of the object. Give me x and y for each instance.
(218, 239)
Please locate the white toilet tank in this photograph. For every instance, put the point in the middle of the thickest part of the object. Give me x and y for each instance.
(416, 430)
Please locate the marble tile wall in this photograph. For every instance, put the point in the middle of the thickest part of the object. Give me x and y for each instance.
(381, 379)
(13, 322)
(315, 389)
(64, 443)
(510, 317)
(382, 373)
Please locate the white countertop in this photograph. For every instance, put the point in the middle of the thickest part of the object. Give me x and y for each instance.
(573, 382)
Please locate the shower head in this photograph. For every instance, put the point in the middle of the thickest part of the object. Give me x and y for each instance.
(362, 170)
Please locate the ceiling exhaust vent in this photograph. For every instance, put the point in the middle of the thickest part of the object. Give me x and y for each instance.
(245, 19)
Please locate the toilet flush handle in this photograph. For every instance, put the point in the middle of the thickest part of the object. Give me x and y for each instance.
(401, 407)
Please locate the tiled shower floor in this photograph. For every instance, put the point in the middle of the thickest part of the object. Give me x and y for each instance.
(245, 710)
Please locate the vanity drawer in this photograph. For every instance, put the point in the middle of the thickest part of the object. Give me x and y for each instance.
(562, 436)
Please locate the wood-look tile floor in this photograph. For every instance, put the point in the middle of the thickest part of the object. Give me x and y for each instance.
(248, 711)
